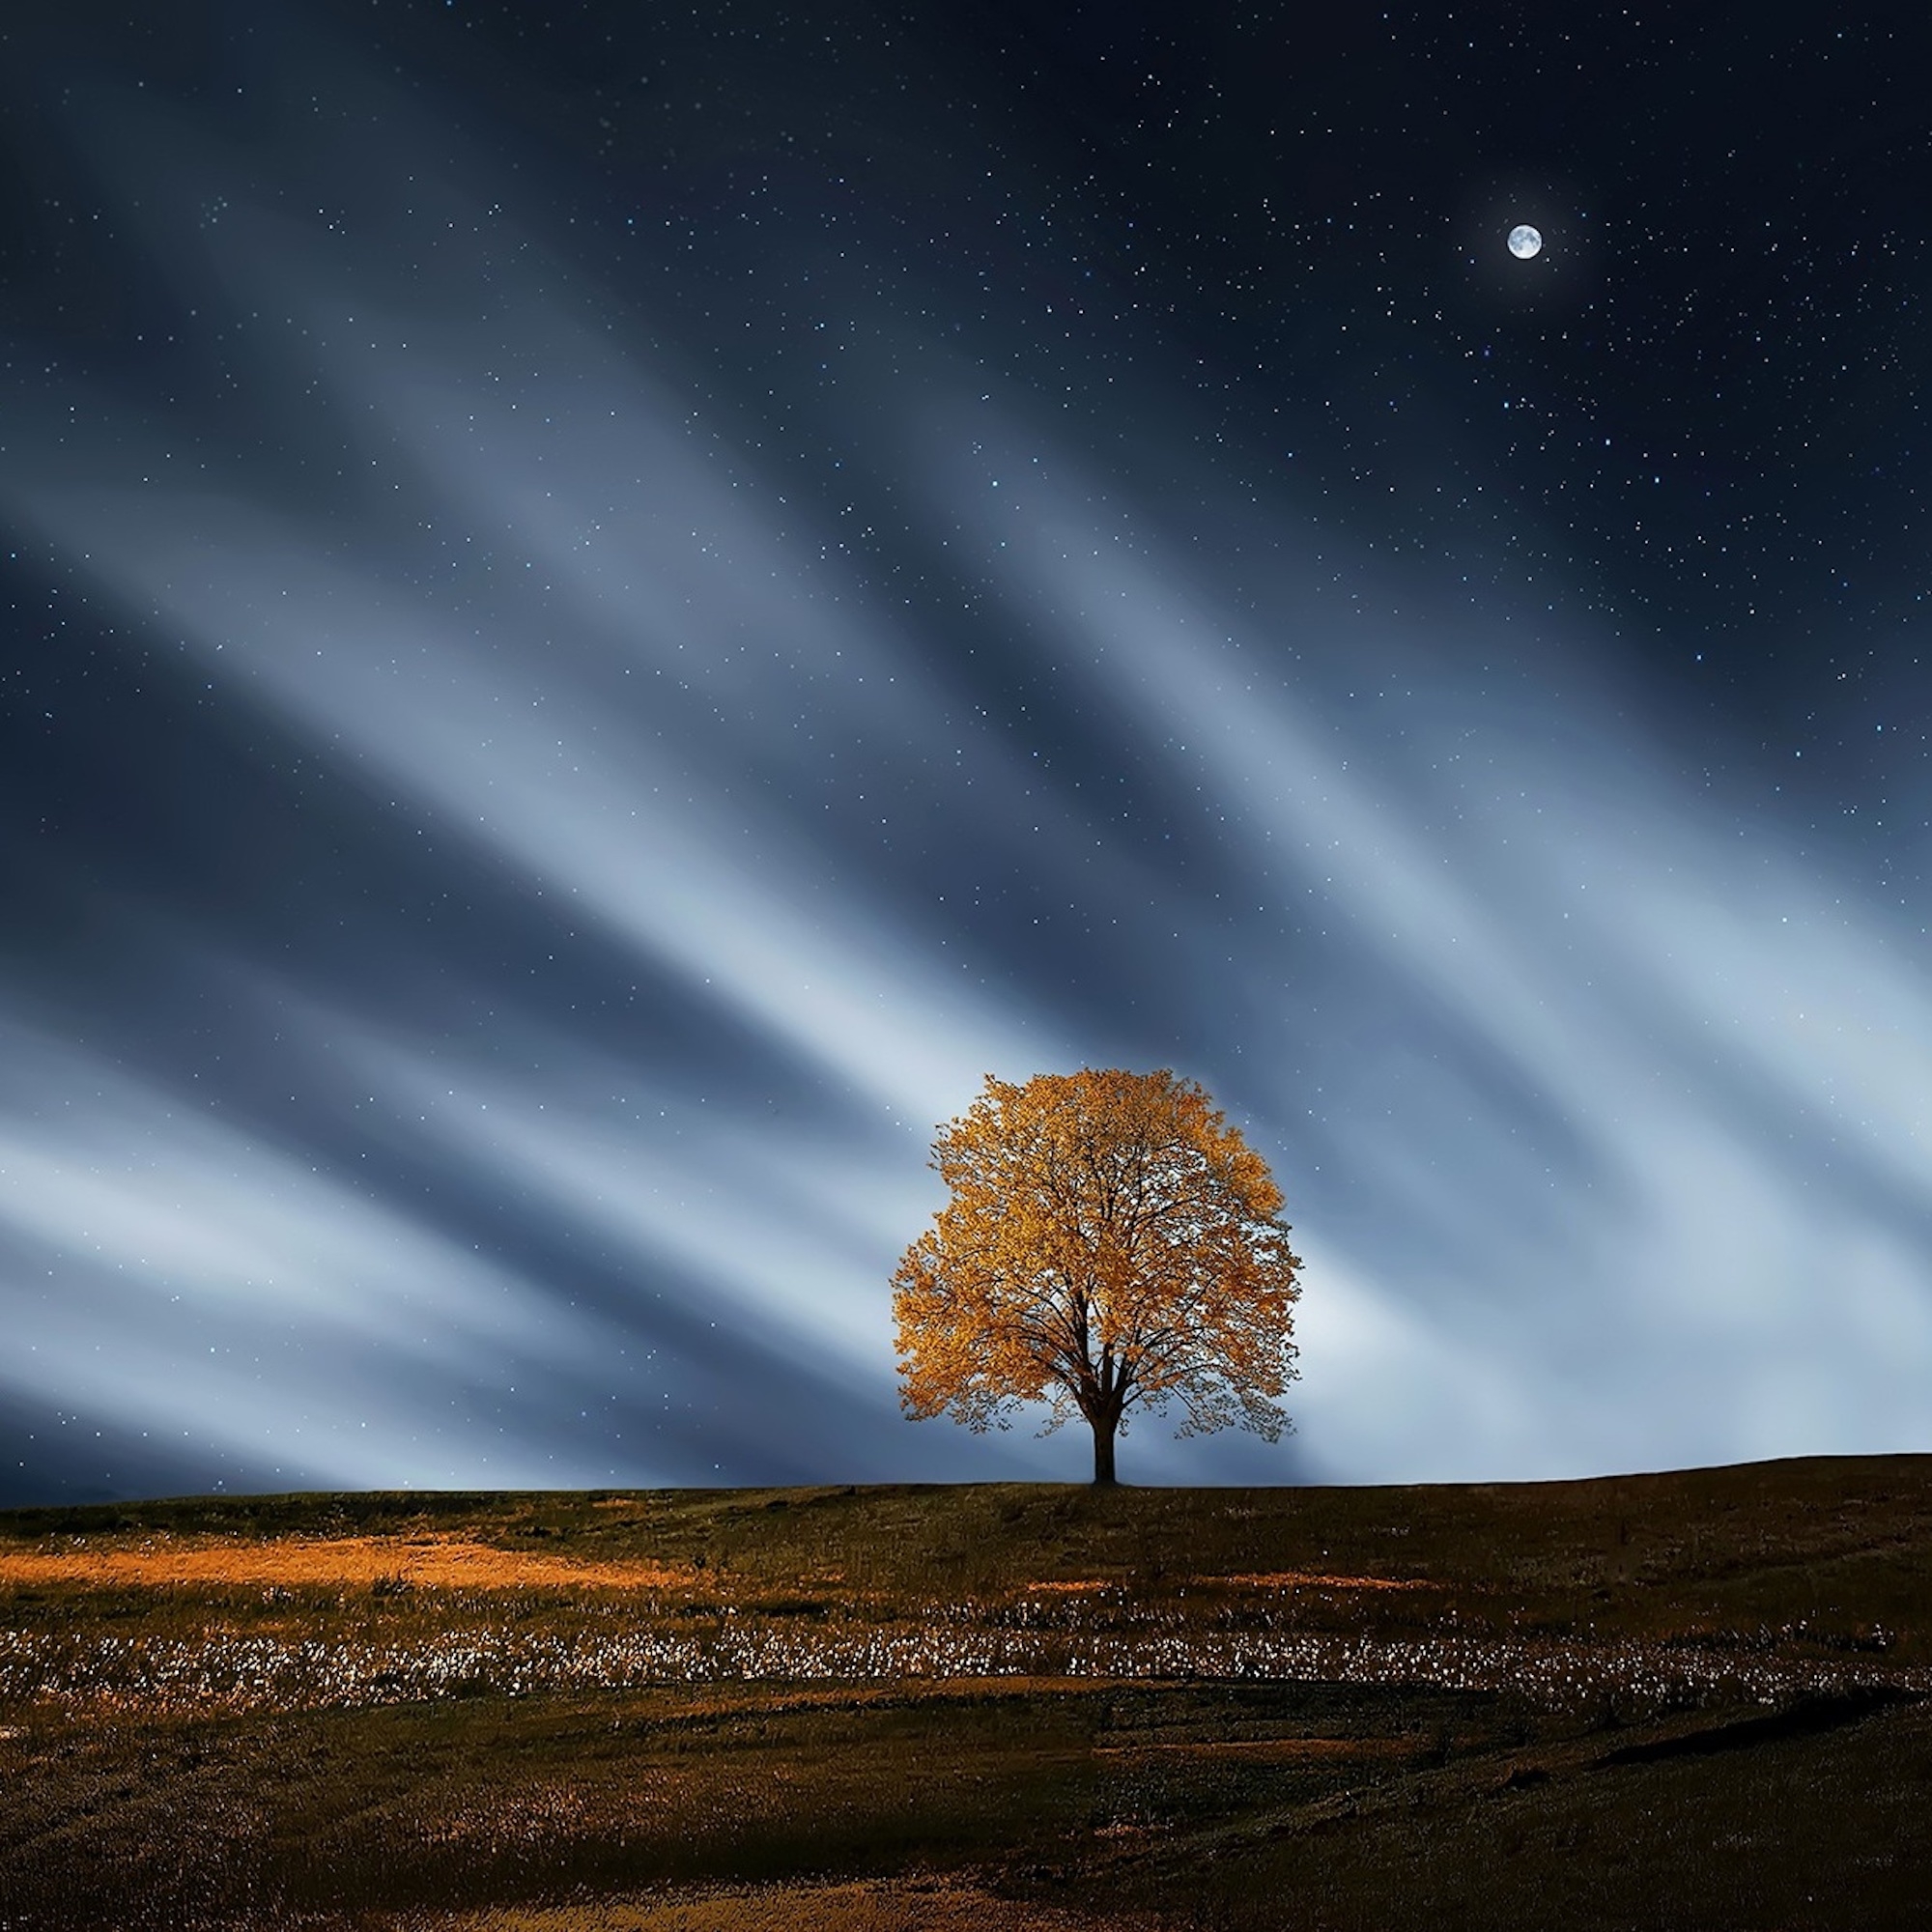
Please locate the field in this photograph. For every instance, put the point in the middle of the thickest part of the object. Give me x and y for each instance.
(1697, 1699)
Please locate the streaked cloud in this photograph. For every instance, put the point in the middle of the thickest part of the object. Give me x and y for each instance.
(1601, 1116)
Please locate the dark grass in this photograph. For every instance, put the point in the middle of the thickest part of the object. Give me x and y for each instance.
(1842, 1544)
(1235, 1804)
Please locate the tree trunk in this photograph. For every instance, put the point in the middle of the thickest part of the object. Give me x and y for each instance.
(1103, 1447)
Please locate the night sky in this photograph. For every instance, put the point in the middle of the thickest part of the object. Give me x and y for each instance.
(605, 608)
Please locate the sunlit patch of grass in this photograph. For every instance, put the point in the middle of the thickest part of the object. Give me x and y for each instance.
(1273, 1750)
(443, 1562)
(543, 1814)
(930, 1906)
(1316, 1580)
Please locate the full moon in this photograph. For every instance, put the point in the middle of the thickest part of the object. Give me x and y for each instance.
(1524, 242)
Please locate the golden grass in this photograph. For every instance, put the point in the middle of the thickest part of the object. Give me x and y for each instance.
(437, 1563)
(767, 1698)
(900, 1906)
(1270, 1751)
(1273, 1580)
(453, 1562)
(1309, 1579)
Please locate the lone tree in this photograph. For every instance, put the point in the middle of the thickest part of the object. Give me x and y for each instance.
(1110, 1243)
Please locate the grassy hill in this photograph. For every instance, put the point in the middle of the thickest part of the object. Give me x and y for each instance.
(1691, 1698)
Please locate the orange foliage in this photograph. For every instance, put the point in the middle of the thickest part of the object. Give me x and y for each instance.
(1110, 1243)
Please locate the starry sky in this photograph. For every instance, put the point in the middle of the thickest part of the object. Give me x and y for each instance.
(605, 608)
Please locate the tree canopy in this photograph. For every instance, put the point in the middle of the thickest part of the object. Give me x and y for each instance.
(1110, 1243)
